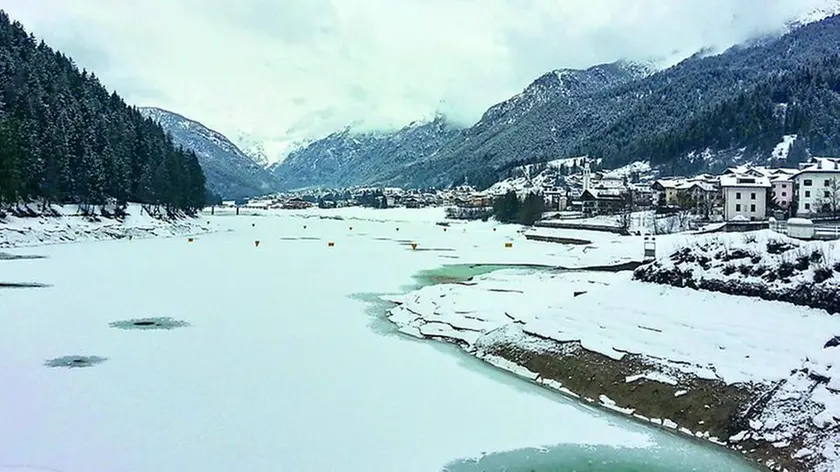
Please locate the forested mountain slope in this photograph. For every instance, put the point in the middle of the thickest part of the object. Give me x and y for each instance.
(663, 117)
(230, 173)
(347, 158)
(65, 139)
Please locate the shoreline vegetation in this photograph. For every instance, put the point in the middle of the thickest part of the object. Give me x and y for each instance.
(699, 407)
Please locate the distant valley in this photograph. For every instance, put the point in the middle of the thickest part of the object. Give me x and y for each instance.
(230, 173)
(705, 113)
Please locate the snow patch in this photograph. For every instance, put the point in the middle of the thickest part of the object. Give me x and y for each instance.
(782, 149)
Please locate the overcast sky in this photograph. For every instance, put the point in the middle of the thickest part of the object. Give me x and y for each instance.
(282, 70)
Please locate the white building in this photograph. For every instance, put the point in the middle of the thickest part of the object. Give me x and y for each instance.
(744, 196)
(818, 186)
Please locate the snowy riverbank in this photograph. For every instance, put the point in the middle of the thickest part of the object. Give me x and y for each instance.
(753, 375)
(763, 264)
(67, 224)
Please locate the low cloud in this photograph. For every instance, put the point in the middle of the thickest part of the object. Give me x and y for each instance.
(283, 70)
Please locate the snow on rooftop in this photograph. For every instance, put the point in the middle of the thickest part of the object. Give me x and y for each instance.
(822, 164)
(670, 183)
(744, 180)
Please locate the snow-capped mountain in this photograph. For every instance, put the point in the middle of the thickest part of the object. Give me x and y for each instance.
(685, 118)
(560, 84)
(230, 173)
(821, 10)
(347, 158)
(253, 148)
(670, 118)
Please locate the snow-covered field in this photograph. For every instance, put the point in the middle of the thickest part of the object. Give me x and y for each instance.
(278, 367)
(71, 226)
(638, 222)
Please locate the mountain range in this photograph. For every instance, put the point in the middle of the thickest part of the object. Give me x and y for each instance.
(706, 112)
(619, 112)
(230, 173)
(346, 158)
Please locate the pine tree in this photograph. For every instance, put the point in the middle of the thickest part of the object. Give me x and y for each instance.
(65, 139)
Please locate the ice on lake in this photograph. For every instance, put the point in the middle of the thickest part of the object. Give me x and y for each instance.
(280, 368)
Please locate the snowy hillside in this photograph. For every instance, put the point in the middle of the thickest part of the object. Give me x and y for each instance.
(821, 10)
(253, 148)
(559, 84)
(348, 158)
(763, 264)
(230, 173)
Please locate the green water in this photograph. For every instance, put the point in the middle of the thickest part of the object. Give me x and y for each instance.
(582, 458)
(454, 273)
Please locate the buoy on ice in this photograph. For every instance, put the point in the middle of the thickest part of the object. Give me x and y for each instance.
(256, 244)
(508, 245)
(330, 244)
(413, 245)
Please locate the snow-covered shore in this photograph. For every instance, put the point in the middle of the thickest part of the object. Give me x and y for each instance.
(69, 225)
(757, 376)
(762, 264)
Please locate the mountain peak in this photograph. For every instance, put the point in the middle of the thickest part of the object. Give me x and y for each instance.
(230, 173)
(252, 148)
(821, 11)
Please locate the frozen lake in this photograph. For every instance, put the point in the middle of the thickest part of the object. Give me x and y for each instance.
(281, 368)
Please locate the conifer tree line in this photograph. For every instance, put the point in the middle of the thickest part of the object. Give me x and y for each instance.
(510, 209)
(65, 139)
(804, 101)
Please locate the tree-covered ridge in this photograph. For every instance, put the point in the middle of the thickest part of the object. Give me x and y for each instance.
(65, 139)
(662, 117)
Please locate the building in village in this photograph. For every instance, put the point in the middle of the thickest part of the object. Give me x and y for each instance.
(556, 199)
(817, 185)
(665, 192)
(607, 197)
(783, 190)
(744, 196)
(642, 195)
(697, 191)
(699, 196)
(295, 203)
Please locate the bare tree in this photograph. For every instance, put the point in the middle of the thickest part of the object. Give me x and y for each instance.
(625, 217)
(830, 200)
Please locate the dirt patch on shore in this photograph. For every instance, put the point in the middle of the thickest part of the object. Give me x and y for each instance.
(708, 409)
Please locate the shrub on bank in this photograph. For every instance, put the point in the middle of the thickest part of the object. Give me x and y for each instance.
(761, 264)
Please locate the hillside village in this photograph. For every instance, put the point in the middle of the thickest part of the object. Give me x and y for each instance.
(576, 188)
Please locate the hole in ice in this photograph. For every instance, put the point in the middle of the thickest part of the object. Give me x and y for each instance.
(21, 285)
(149, 323)
(72, 362)
(12, 257)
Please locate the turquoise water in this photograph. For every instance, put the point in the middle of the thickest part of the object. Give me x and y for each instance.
(582, 458)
